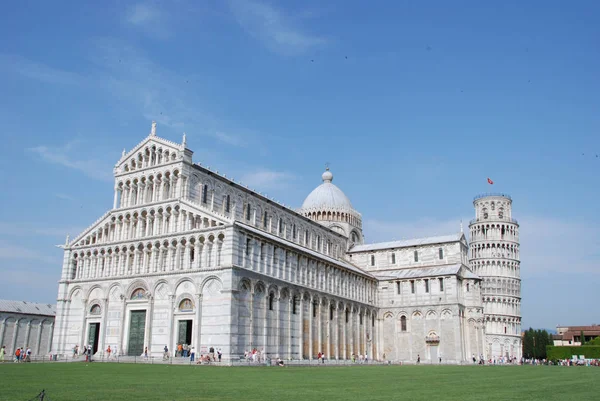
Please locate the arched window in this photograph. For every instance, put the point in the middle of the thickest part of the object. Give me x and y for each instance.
(416, 253)
(227, 204)
(294, 305)
(280, 226)
(248, 211)
(140, 293)
(399, 287)
(441, 284)
(403, 323)
(393, 258)
(271, 298)
(186, 305)
(372, 260)
(294, 234)
(441, 253)
(205, 193)
(265, 219)
(95, 310)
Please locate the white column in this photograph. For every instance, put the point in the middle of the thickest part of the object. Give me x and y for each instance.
(301, 328)
(289, 332)
(310, 328)
(38, 340)
(186, 256)
(277, 301)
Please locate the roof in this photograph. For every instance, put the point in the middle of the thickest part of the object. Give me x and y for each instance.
(407, 243)
(300, 248)
(435, 271)
(27, 308)
(327, 196)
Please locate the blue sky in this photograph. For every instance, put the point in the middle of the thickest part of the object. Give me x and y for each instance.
(414, 105)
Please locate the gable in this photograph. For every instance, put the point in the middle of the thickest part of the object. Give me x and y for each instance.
(151, 151)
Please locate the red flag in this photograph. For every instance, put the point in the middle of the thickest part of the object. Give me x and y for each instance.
(490, 181)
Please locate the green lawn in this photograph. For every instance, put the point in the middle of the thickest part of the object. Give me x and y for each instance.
(102, 381)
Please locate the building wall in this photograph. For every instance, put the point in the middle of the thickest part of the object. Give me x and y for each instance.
(23, 330)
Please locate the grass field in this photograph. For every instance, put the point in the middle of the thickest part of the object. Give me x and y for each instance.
(101, 381)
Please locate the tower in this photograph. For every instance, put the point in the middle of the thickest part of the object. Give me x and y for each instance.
(494, 256)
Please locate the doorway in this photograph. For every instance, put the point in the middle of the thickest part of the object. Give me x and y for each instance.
(137, 331)
(184, 335)
(433, 352)
(94, 336)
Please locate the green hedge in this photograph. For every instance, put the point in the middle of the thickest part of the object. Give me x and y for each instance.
(588, 351)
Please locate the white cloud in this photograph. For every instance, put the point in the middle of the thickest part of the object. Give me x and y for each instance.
(64, 197)
(63, 156)
(273, 27)
(150, 19)
(266, 179)
(230, 139)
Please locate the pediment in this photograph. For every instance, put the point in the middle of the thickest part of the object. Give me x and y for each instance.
(151, 151)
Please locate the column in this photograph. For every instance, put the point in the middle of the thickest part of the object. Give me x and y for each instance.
(149, 319)
(336, 337)
(328, 337)
(171, 309)
(301, 329)
(122, 327)
(344, 336)
(101, 344)
(186, 256)
(83, 328)
(319, 325)
(310, 328)
(278, 325)
(251, 320)
(115, 198)
(27, 333)
(2, 330)
(198, 323)
(15, 333)
(290, 329)
(38, 340)
(266, 326)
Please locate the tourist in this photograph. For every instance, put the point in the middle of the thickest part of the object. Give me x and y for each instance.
(219, 355)
(28, 355)
(192, 354)
(146, 353)
(366, 358)
(418, 358)
(108, 351)
(166, 353)
(2, 352)
(17, 355)
(185, 350)
(211, 352)
(75, 351)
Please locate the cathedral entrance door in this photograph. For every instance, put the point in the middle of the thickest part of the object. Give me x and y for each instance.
(185, 332)
(433, 352)
(94, 336)
(137, 328)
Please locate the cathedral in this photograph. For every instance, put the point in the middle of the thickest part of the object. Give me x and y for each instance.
(188, 256)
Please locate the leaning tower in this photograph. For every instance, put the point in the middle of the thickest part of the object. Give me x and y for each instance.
(494, 256)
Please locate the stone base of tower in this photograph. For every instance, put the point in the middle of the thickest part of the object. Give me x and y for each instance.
(503, 345)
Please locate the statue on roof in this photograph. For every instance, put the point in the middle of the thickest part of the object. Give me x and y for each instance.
(153, 129)
(184, 142)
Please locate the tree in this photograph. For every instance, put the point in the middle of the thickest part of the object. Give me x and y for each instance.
(535, 342)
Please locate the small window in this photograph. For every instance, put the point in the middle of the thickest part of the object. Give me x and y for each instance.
(271, 298)
(248, 212)
(441, 253)
(441, 285)
(247, 246)
(416, 256)
(467, 287)
(331, 313)
(393, 258)
(314, 305)
(403, 323)
(186, 305)
(262, 251)
(398, 287)
(280, 226)
(412, 286)
(205, 194)
(265, 219)
(426, 285)
(372, 321)
(306, 238)
(346, 315)
(294, 233)
(505, 330)
(294, 306)
(360, 318)
(372, 260)
(227, 204)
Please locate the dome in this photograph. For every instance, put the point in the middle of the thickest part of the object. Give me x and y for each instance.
(327, 196)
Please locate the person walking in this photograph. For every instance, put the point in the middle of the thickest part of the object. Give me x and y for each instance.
(166, 353)
(219, 354)
(108, 351)
(418, 358)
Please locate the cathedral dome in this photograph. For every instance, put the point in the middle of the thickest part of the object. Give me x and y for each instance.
(327, 196)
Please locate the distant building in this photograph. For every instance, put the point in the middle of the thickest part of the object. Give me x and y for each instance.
(571, 335)
(28, 325)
